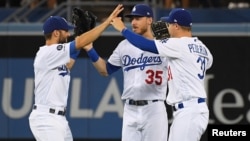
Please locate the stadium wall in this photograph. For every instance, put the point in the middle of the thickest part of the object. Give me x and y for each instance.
(95, 108)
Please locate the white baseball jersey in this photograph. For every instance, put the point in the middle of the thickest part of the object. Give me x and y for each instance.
(52, 80)
(144, 73)
(189, 60)
(51, 75)
(145, 78)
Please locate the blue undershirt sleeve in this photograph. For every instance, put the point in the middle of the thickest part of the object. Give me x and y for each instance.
(111, 68)
(139, 41)
(73, 51)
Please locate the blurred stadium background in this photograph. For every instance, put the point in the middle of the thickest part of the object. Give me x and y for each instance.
(95, 108)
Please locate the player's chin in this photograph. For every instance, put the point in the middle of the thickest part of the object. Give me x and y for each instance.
(136, 30)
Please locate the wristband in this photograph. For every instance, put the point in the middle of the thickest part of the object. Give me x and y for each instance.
(93, 55)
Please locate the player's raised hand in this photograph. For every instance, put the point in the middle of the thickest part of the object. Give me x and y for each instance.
(115, 13)
(118, 24)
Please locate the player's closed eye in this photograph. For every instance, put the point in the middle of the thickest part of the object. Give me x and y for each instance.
(168, 24)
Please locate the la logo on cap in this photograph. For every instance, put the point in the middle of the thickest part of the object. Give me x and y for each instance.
(134, 9)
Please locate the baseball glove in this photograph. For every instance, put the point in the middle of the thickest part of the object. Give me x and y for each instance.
(160, 30)
(83, 21)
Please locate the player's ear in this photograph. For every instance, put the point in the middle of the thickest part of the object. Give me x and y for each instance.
(176, 25)
(56, 33)
(150, 20)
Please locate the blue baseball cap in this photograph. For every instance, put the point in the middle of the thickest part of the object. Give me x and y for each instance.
(180, 16)
(56, 23)
(141, 10)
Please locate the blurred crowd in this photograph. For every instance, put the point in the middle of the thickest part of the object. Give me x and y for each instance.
(32, 3)
(207, 3)
(101, 11)
(166, 3)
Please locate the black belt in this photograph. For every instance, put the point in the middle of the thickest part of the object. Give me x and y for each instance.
(181, 105)
(53, 111)
(140, 102)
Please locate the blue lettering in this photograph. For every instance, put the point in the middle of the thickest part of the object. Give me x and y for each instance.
(194, 48)
(140, 62)
(63, 70)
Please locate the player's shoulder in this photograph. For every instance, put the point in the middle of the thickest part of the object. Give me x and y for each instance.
(124, 43)
(54, 47)
(196, 39)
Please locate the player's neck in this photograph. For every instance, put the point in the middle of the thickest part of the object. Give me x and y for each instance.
(148, 35)
(50, 42)
(184, 34)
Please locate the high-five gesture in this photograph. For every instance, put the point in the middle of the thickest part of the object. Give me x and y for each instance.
(118, 24)
(90, 36)
(115, 13)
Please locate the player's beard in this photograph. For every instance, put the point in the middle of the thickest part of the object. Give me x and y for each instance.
(62, 38)
(140, 31)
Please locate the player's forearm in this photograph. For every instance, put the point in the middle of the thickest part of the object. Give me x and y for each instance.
(98, 62)
(70, 64)
(100, 66)
(88, 47)
(90, 36)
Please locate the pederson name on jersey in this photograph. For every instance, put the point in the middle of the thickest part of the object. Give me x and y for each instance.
(194, 48)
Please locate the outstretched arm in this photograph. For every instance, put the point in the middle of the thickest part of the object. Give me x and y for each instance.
(88, 37)
(135, 39)
(104, 68)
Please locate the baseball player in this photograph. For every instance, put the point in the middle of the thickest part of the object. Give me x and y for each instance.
(52, 66)
(145, 82)
(189, 60)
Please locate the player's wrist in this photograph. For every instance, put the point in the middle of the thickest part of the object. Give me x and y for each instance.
(88, 47)
(93, 55)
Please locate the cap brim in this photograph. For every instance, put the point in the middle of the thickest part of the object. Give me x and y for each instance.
(70, 27)
(165, 19)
